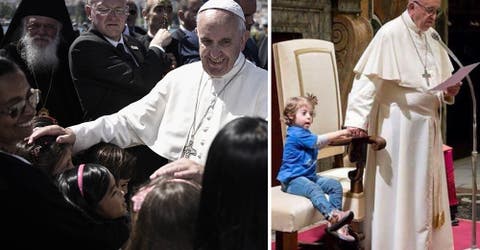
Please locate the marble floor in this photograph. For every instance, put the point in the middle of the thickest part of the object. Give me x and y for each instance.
(463, 173)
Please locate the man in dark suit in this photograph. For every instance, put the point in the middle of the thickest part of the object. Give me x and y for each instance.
(36, 215)
(108, 77)
(112, 70)
(37, 40)
(158, 15)
(131, 28)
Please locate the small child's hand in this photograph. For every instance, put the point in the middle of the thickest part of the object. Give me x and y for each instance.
(340, 134)
(357, 132)
(345, 133)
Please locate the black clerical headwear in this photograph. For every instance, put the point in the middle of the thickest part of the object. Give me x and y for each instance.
(55, 9)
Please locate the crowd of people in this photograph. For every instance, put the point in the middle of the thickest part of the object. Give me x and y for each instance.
(128, 131)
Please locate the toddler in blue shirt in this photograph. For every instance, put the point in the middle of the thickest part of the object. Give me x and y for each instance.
(298, 170)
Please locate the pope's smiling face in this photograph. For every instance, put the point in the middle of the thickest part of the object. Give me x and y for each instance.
(221, 40)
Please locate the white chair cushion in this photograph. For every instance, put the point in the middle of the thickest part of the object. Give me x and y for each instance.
(291, 213)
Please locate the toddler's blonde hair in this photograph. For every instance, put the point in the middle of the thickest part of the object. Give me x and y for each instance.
(295, 103)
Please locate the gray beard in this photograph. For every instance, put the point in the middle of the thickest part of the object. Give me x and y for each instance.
(39, 59)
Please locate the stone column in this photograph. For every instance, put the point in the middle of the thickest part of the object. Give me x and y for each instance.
(311, 18)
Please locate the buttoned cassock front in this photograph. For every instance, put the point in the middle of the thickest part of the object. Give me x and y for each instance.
(163, 118)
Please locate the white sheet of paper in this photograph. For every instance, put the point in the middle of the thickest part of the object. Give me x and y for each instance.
(457, 77)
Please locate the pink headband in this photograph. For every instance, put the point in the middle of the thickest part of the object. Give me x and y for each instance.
(139, 197)
(80, 178)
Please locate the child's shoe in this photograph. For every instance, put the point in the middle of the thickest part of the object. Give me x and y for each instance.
(343, 234)
(340, 218)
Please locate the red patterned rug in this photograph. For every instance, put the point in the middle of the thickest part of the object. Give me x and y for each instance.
(462, 235)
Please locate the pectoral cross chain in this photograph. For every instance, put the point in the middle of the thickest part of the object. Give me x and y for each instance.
(189, 150)
(427, 76)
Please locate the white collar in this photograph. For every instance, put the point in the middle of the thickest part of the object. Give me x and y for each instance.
(115, 43)
(187, 32)
(409, 22)
(126, 30)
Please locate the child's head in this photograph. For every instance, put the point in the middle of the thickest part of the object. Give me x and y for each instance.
(300, 111)
(119, 161)
(165, 214)
(43, 120)
(45, 152)
(92, 189)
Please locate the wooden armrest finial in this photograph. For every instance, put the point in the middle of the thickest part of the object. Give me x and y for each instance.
(357, 153)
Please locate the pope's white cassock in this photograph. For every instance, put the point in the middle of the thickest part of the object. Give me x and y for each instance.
(186, 105)
(405, 184)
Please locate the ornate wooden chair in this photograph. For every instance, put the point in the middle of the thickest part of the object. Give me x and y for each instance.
(309, 66)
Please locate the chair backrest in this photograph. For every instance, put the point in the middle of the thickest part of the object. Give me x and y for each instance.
(309, 66)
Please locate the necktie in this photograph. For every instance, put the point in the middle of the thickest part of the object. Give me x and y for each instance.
(125, 55)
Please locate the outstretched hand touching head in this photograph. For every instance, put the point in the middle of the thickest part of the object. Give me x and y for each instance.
(65, 135)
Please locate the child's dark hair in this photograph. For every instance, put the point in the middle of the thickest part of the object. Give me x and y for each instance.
(296, 102)
(84, 186)
(237, 163)
(120, 162)
(44, 152)
(167, 214)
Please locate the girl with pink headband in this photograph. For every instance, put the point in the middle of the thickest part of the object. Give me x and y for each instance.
(92, 189)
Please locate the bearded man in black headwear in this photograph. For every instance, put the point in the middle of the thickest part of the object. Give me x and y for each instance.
(38, 39)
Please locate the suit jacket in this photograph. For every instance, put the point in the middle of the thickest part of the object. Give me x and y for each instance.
(251, 52)
(106, 81)
(1, 34)
(184, 47)
(37, 216)
(135, 31)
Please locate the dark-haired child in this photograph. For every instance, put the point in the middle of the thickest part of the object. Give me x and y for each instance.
(92, 189)
(45, 153)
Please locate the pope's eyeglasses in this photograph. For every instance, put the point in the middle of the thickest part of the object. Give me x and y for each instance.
(430, 10)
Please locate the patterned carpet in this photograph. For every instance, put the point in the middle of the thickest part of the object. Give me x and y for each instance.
(462, 235)
(464, 209)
